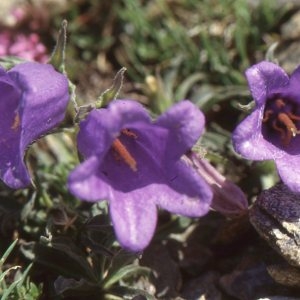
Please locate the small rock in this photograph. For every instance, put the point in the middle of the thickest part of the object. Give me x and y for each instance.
(285, 274)
(167, 277)
(291, 29)
(248, 281)
(276, 217)
(202, 288)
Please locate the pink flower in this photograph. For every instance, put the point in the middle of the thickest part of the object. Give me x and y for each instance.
(27, 46)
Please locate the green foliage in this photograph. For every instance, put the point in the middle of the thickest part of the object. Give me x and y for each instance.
(111, 93)
(219, 38)
(19, 286)
(86, 263)
(193, 49)
(105, 97)
(58, 56)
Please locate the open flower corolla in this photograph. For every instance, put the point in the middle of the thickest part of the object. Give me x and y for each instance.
(271, 131)
(135, 163)
(33, 100)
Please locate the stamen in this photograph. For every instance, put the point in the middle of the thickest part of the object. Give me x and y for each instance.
(288, 137)
(279, 129)
(293, 117)
(279, 103)
(286, 121)
(16, 122)
(282, 119)
(291, 129)
(129, 133)
(124, 154)
(267, 115)
(294, 132)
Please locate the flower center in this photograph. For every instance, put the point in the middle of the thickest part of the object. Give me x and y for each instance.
(280, 116)
(121, 151)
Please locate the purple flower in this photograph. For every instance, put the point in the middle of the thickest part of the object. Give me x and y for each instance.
(34, 99)
(135, 163)
(271, 131)
(228, 198)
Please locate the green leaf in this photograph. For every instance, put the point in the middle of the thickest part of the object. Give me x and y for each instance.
(62, 255)
(112, 92)
(270, 56)
(9, 290)
(187, 84)
(7, 62)
(103, 100)
(57, 58)
(126, 271)
(69, 287)
(16, 284)
(121, 259)
(82, 112)
(125, 292)
(2, 275)
(24, 275)
(7, 253)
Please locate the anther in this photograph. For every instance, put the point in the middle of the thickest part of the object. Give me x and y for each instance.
(291, 128)
(279, 103)
(267, 115)
(124, 154)
(129, 133)
(293, 117)
(16, 122)
(282, 120)
(286, 121)
(294, 131)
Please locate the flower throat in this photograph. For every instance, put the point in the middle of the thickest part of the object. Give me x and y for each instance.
(279, 115)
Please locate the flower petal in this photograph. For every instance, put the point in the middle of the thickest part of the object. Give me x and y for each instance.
(102, 126)
(295, 79)
(185, 193)
(264, 79)
(84, 181)
(96, 133)
(249, 141)
(44, 99)
(12, 168)
(291, 91)
(289, 171)
(134, 219)
(185, 123)
(35, 97)
(133, 163)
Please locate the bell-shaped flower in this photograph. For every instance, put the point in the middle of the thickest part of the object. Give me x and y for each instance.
(136, 164)
(271, 131)
(228, 198)
(33, 101)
